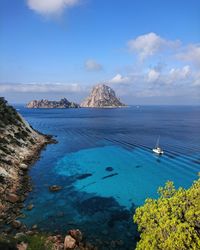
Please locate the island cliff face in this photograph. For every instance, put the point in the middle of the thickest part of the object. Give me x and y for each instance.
(102, 96)
(20, 145)
(63, 103)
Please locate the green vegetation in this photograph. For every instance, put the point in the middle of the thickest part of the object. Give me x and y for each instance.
(8, 115)
(172, 222)
(35, 242)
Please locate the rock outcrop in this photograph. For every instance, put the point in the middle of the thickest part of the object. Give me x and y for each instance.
(63, 103)
(102, 96)
(20, 145)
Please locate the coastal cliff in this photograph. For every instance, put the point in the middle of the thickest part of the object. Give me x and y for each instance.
(20, 145)
(102, 96)
(63, 103)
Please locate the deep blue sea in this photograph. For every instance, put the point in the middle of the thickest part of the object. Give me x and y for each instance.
(105, 164)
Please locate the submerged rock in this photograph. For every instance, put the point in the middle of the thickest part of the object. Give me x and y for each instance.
(83, 176)
(30, 207)
(109, 176)
(96, 204)
(109, 169)
(119, 216)
(55, 188)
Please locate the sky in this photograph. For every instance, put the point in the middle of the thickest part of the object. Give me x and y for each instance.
(148, 51)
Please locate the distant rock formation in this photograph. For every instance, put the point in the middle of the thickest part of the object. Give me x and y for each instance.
(63, 104)
(102, 96)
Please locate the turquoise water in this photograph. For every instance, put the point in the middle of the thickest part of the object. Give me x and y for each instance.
(105, 165)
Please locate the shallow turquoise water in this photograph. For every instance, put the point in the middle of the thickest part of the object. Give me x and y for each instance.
(136, 172)
(105, 165)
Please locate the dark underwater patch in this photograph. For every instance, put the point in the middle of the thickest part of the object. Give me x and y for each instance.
(96, 204)
(138, 166)
(109, 169)
(83, 176)
(109, 176)
(123, 215)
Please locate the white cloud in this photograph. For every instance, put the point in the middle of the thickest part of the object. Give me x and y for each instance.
(153, 75)
(158, 82)
(149, 44)
(179, 73)
(40, 88)
(92, 65)
(51, 6)
(190, 53)
(119, 79)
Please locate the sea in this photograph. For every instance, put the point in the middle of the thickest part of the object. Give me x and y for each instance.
(106, 167)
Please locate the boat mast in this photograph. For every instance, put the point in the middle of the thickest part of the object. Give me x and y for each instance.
(157, 143)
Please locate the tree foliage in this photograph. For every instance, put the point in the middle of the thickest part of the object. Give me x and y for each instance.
(8, 115)
(172, 222)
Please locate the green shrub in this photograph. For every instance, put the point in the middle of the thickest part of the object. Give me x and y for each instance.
(36, 242)
(172, 222)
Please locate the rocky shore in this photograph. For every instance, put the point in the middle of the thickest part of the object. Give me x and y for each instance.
(20, 147)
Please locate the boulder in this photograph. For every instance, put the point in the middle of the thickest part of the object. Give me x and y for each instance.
(76, 234)
(22, 246)
(34, 227)
(16, 224)
(69, 243)
(13, 198)
(24, 166)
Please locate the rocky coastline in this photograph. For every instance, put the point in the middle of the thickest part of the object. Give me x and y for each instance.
(20, 147)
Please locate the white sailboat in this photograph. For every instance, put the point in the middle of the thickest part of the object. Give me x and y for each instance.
(158, 150)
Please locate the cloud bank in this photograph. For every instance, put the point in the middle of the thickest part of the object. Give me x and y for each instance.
(40, 88)
(47, 7)
(149, 44)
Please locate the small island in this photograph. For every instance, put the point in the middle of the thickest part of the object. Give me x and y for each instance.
(62, 104)
(102, 96)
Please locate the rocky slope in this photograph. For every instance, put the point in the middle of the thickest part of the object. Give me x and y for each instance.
(19, 146)
(63, 103)
(102, 96)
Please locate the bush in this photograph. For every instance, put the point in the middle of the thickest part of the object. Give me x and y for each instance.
(36, 242)
(172, 222)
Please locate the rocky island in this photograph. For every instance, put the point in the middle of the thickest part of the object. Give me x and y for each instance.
(102, 96)
(20, 145)
(63, 103)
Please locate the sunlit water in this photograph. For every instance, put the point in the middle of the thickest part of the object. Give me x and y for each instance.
(105, 165)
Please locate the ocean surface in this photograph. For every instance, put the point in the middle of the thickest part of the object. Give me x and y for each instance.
(104, 162)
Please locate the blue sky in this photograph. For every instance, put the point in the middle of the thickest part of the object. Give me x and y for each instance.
(147, 50)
